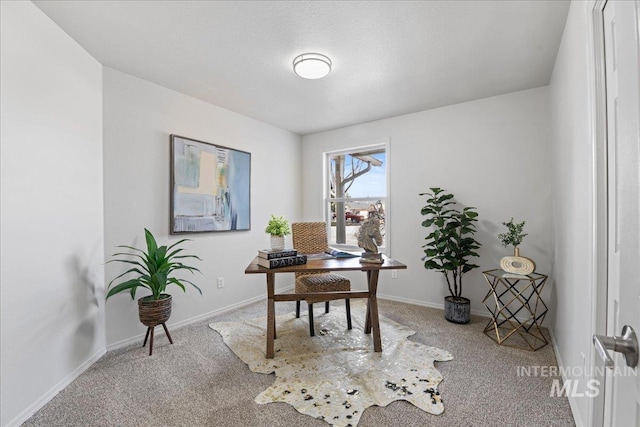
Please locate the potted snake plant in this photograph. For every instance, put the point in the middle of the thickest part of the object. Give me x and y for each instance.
(153, 269)
(449, 247)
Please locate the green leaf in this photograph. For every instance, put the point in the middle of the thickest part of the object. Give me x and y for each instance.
(188, 256)
(188, 282)
(177, 282)
(142, 265)
(160, 255)
(130, 247)
(427, 210)
(131, 270)
(431, 265)
(170, 255)
(431, 252)
(177, 243)
(469, 267)
(123, 287)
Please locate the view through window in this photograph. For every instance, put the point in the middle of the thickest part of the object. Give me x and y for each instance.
(356, 189)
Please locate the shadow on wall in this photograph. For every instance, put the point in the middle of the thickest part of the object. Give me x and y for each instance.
(87, 296)
(487, 235)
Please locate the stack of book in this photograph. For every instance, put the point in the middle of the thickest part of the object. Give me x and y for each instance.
(268, 258)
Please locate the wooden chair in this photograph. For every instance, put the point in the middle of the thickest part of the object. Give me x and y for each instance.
(311, 238)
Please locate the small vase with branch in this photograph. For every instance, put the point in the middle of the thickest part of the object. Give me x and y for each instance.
(513, 237)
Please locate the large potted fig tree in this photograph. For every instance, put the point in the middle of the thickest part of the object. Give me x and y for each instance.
(449, 247)
(153, 269)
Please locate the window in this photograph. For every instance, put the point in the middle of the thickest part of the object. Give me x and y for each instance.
(356, 189)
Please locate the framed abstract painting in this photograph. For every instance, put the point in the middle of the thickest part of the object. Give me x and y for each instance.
(210, 187)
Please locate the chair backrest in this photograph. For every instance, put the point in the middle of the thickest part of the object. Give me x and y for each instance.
(309, 238)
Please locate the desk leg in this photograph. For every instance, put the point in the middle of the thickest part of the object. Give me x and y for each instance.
(271, 314)
(373, 310)
(367, 320)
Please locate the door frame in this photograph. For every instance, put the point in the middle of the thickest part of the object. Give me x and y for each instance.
(598, 107)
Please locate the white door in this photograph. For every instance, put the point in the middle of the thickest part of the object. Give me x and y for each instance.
(622, 59)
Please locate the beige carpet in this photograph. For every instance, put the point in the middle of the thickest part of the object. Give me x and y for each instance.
(198, 381)
(335, 375)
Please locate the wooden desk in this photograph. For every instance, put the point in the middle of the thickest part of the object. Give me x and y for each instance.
(327, 265)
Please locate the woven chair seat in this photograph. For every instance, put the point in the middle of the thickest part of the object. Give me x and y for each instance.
(325, 282)
(311, 238)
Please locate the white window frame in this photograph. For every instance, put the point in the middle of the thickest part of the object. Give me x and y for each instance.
(380, 143)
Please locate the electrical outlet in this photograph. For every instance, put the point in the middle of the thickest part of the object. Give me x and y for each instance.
(394, 274)
(220, 282)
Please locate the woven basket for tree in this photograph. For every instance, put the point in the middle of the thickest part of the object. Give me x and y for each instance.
(154, 312)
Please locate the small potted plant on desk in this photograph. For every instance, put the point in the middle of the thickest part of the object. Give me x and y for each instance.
(449, 247)
(278, 227)
(152, 269)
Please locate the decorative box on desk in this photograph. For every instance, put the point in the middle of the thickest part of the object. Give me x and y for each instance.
(517, 309)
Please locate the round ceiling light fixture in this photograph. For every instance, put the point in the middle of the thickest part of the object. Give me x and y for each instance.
(311, 65)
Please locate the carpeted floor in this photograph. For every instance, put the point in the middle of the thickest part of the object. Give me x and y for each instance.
(199, 381)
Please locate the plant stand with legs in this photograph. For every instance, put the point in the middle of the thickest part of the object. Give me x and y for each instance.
(150, 333)
(153, 313)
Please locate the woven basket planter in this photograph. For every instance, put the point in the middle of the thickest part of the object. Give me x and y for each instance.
(154, 312)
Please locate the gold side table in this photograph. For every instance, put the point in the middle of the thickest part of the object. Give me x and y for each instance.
(517, 309)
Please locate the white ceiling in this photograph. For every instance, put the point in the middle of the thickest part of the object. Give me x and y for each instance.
(389, 57)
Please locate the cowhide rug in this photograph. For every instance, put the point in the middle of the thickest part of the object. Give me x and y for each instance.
(336, 375)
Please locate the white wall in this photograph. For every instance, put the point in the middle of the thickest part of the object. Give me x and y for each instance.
(572, 151)
(51, 271)
(138, 118)
(493, 154)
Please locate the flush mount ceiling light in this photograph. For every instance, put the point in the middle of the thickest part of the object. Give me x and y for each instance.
(311, 65)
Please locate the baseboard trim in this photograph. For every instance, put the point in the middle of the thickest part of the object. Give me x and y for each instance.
(572, 403)
(53, 391)
(186, 322)
(480, 313)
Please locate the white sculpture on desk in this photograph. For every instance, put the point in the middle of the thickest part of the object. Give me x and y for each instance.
(369, 238)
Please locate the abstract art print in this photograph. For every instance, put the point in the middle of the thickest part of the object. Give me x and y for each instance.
(210, 187)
